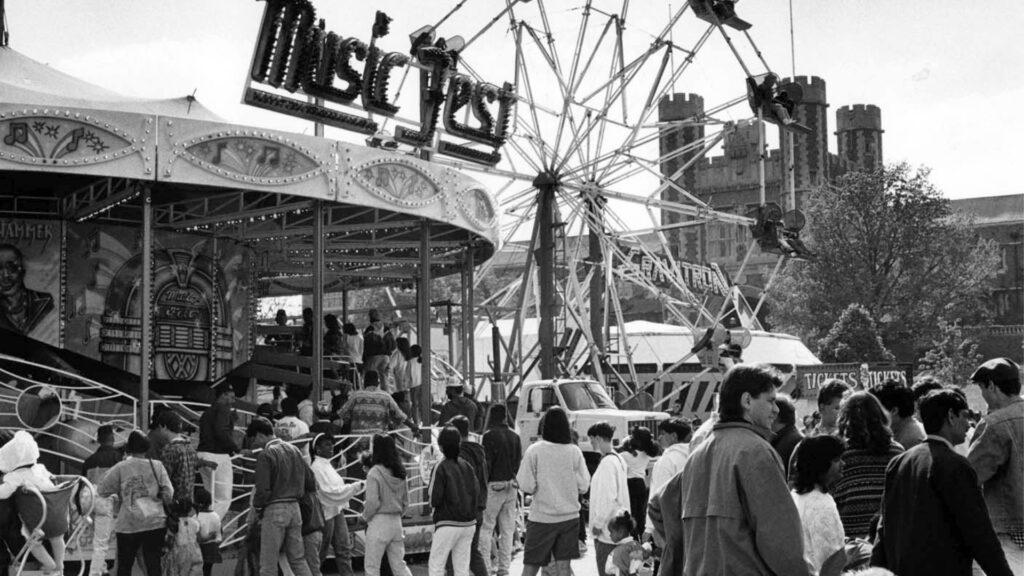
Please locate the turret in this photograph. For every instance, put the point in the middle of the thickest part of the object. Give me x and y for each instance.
(859, 135)
(674, 108)
(810, 151)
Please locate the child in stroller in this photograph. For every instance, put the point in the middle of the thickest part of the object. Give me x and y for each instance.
(19, 466)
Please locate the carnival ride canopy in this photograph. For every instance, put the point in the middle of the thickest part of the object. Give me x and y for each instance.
(75, 151)
(660, 344)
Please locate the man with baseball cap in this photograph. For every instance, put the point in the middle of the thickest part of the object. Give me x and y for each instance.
(997, 455)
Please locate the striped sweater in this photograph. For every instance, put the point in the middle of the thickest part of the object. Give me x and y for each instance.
(858, 494)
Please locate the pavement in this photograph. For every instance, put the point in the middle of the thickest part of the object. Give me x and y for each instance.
(585, 566)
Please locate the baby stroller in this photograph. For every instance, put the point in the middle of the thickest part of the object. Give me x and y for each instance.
(65, 510)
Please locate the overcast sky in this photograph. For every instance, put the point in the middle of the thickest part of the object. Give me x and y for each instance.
(946, 74)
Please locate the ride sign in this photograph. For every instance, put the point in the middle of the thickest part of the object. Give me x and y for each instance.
(295, 54)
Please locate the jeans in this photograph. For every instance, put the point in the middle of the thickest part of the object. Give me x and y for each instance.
(500, 513)
(219, 481)
(103, 521)
(336, 538)
(454, 540)
(311, 544)
(384, 534)
(281, 527)
(311, 550)
(128, 545)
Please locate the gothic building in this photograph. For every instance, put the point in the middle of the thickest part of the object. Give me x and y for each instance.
(730, 182)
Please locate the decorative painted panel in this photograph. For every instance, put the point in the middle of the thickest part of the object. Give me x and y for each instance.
(73, 139)
(399, 181)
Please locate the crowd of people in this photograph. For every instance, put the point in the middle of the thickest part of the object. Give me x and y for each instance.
(894, 479)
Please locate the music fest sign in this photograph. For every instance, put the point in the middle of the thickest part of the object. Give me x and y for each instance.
(297, 55)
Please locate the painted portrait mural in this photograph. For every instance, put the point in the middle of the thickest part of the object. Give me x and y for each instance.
(201, 303)
(30, 278)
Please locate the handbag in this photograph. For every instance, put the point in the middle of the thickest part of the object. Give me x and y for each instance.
(312, 513)
(147, 507)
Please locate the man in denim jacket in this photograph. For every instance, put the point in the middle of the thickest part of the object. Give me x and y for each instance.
(997, 454)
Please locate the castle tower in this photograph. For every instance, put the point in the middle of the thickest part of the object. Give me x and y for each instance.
(859, 133)
(674, 108)
(810, 151)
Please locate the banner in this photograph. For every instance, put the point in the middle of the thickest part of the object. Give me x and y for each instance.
(857, 376)
(201, 304)
(30, 278)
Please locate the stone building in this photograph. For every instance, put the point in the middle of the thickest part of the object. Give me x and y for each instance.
(730, 182)
(1001, 218)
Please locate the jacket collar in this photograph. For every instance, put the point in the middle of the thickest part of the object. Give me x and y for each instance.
(744, 425)
(941, 440)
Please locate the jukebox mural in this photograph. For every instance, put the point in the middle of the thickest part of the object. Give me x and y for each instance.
(200, 301)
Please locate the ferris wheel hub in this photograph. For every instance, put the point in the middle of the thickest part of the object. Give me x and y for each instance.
(547, 180)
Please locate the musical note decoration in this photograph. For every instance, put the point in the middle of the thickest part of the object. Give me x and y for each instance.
(266, 160)
(59, 141)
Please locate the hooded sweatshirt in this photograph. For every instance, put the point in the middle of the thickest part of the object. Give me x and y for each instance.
(18, 464)
(385, 494)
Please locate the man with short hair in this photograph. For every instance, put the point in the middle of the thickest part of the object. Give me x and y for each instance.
(94, 468)
(290, 426)
(282, 479)
(898, 401)
(829, 398)
(786, 436)
(738, 515)
(934, 519)
(997, 454)
(473, 453)
(504, 452)
(373, 410)
(608, 491)
(217, 445)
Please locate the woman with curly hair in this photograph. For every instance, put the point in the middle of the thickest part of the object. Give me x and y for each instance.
(864, 425)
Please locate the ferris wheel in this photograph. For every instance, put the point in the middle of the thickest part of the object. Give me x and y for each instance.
(586, 156)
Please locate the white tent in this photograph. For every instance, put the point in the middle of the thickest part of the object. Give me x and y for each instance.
(654, 343)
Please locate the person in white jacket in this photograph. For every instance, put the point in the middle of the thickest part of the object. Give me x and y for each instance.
(674, 437)
(334, 496)
(608, 492)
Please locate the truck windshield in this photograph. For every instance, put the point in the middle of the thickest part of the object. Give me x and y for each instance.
(585, 396)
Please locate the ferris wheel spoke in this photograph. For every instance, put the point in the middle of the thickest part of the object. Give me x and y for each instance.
(577, 75)
(613, 97)
(656, 96)
(523, 76)
(509, 5)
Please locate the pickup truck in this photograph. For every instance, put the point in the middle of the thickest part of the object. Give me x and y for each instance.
(587, 403)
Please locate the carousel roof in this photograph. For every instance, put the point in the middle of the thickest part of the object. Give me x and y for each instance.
(75, 151)
(28, 81)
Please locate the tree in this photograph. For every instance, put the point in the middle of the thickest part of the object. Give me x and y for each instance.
(953, 356)
(854, 338)
(889, 241)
